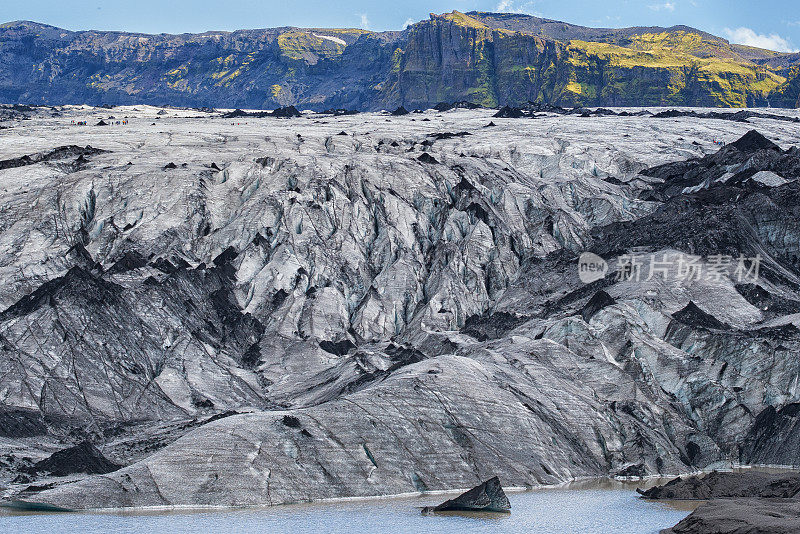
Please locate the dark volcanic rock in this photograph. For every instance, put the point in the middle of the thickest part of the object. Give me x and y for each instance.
(716, 485)
(742, 516)
(400, 112)
(538, 107)
(448, 135)
(769, 303)
(636, 470)
(239, 114)
(339, 348)
(483, 327)
(281, 113)
(669, 114)
(603, 112)
(739, 116)
(82, 458)
(291, 421)
(721, 211)
(427, 158)
(753, 141)
(737, 162)
(56, 154)
(286, 113)
(235, 114)
(741, 503)
(486, 497)
(694, 316)
(128, 262)
(507, 112)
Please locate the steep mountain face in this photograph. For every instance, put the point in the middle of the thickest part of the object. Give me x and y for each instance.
(484, 58)
(332, 306)
(685, 38)
(454, 57)
(788, 93)
(253, 68)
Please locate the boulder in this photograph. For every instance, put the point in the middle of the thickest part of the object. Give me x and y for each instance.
(485, 497)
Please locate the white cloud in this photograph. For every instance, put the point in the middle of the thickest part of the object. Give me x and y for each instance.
(409, 21)
(364, 21)
(746, 36)
(666, 6)
(508, 6)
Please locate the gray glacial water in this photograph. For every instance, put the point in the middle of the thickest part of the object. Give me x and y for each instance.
(594, 509)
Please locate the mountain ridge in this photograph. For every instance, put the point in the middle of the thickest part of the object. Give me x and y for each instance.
(490, 59)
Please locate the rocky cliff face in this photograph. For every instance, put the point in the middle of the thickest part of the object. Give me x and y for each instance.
(482, 58)
(250, 69)
(788, 94)
(458, 57)
(359, 305)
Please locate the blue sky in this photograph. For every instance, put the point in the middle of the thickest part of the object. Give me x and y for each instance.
(771, 24)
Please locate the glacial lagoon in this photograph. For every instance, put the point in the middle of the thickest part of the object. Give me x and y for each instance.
(587, 507)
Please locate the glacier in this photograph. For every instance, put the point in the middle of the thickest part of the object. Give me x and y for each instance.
(249, 311)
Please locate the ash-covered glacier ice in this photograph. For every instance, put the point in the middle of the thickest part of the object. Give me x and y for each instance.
(305, 308)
